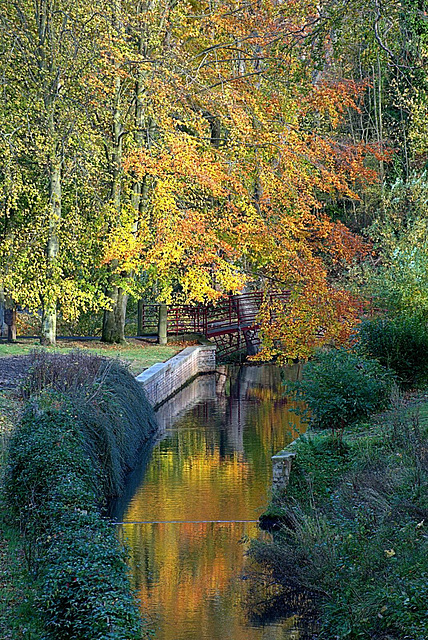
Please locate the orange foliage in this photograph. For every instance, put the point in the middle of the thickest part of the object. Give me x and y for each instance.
(241, 152)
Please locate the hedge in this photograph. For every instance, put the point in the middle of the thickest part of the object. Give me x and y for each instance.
(69, 455)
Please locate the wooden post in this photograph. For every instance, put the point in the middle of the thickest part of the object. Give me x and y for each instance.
(140, 323)
(162, 324)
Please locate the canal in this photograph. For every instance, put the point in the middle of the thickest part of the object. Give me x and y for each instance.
(192, 506)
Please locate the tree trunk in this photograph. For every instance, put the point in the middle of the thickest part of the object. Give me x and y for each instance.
(114, 318)
(3, 327)
(8, 317)
(49, 301)
(49, 311)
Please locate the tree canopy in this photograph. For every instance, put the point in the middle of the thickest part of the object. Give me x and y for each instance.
(186, 150)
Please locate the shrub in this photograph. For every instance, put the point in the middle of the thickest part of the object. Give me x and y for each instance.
(112, 409)
(85, 421)
(85, 592)
(53, 490)
(340, 388)
(400, 344)
(72, 373)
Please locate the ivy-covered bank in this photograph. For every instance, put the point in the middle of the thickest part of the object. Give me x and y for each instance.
(351, 543)
(84, 420)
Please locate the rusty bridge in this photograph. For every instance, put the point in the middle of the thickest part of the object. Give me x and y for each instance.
(232, 323)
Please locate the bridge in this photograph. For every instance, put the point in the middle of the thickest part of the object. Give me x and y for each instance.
(232, 323)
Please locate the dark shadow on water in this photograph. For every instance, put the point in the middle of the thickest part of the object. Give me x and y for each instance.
(118, 506)
(264, 607)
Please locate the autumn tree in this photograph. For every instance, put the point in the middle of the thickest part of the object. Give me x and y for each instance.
(242, 147)
(204, 149)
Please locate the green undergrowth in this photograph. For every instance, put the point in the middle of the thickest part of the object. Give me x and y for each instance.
(17, 590)
(18, 587)
(354, 528)
(9, 415)
(84, 421)
(107, 402)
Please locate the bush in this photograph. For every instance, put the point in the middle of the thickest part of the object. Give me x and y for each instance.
(53, 491)
(401, 344)
(340, 388)
(355, 537)
(112, 409)
(85, 421)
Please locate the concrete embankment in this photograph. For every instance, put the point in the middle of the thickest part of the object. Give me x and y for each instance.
(164, 379)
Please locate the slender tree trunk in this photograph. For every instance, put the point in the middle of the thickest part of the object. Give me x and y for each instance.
(49, 311)
(114, 318)
(3, 328)
(10, 319)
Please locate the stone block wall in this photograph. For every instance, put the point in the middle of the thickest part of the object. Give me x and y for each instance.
(281, 469)
(164, 379)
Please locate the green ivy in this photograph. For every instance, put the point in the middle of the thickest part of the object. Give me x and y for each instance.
(53, 491)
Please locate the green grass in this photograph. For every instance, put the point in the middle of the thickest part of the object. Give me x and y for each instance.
(138, 354)
(423, 415)
(356, 514)
(16, 349)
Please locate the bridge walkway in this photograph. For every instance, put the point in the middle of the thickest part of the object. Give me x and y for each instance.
(232, 323)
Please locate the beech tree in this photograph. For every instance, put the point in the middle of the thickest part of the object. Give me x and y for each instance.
(185, 150)
(119, 117)
(243, 146)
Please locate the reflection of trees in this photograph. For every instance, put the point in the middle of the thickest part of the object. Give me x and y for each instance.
(268, 414)
(190, 479)
(189, 576)
(213, 465)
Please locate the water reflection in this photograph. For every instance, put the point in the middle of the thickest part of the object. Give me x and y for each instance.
(212, 464)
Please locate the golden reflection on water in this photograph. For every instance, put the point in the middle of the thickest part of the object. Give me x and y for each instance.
(212, 464)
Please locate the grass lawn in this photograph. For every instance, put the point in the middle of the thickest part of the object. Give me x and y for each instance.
(139, 354)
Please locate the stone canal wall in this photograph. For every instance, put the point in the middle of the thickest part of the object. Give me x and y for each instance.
(281, 469)
(164, 379)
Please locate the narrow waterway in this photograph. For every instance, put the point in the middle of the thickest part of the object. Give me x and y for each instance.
(193, 504)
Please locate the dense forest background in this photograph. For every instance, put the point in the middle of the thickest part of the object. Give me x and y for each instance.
(175, 151)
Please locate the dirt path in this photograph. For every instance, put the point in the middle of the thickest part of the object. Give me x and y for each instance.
(12, 370)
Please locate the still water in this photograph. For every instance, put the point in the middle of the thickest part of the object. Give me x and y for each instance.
(192, 505)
